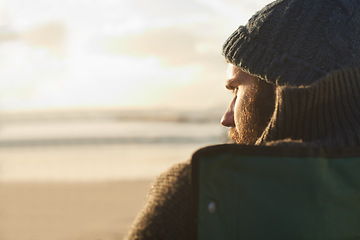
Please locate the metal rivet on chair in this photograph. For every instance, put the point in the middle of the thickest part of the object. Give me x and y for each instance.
(212, 207)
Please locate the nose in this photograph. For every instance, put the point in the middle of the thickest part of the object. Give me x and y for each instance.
(227, 119)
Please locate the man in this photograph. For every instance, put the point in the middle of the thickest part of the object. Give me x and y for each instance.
(251, 108)
(295, 73)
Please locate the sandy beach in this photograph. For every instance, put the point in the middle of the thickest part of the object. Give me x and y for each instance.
(77, 180)
(69, 211)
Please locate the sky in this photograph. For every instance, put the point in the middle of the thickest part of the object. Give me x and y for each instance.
(116, 53)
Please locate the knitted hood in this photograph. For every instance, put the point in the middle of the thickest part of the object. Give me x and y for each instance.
(326, 113)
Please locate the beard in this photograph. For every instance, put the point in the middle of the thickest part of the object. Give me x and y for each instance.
(248, 135)
(254, 113)
(234, 135)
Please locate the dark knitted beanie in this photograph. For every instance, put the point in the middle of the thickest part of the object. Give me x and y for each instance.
(296, 42)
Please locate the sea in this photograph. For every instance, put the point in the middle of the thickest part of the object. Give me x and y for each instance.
(88, 146)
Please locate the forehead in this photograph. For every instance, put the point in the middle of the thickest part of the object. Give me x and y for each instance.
(230, 71)
(236, 76)
(235, 72)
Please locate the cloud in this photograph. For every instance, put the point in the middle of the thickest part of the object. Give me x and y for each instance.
(167, 8)
(179, 42)
(237, 12)
(172, 45)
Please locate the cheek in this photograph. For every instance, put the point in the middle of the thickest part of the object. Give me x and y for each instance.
(241, 100)
(237, 112)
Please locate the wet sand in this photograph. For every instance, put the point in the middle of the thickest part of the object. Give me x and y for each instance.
(69, 211)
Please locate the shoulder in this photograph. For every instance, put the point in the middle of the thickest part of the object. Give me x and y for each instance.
(167, 209)
(171, 190)
(171, 180)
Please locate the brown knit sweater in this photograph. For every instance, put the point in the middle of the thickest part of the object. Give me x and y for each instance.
(166, 211)
(326, 113)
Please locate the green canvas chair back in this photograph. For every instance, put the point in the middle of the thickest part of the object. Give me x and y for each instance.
(259, 193)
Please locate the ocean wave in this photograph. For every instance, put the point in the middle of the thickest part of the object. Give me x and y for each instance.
(112, 115)
(109, 140)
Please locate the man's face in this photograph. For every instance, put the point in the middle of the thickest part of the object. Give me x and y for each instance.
(251, 108)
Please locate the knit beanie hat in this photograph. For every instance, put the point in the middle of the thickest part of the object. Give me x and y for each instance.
(296, 42)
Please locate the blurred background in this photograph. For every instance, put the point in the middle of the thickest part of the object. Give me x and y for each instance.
(105, 91)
